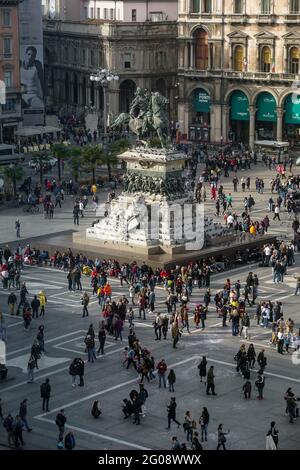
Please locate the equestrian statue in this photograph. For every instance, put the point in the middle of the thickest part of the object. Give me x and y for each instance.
(148, 112)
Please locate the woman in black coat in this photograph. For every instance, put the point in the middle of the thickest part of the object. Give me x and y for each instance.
(96, 411)
(202, 368)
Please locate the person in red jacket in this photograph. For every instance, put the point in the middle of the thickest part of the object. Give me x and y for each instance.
(161, 370)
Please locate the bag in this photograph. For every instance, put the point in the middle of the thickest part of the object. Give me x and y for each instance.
(270, 444)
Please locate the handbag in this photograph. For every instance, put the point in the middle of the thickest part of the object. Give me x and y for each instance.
(270, 444)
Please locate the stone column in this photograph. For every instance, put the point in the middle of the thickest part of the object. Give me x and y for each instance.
(186, 57)
(252, 112)
(193, 48)
(183, 117)
(181, 54)
(225, 122)
(215, 123)
(279, 124)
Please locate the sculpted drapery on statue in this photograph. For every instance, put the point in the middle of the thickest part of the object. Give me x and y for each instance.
(148, 112)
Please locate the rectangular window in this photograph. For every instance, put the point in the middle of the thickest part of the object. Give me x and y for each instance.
(98, 13)
(66, 54)
(127, 60)
(6, 18)
(92, 58)
(25, 31)
(92, 12)
(238, 7)
(294, 7)
(157, 16)
(133, 15)
(86, 15)
(119, 14)
(83, 57)
(195, 6)
(106, 13)
(265, 7)
(7, 47)
(8, 78)
(111, 13)
(74, 55)
(9, 106)
(206, 6)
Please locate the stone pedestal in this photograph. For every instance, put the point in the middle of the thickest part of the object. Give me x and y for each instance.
(155, 213)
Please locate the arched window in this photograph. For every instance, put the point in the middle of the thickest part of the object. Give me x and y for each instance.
(75, 89)
(294, 60)
(161, 86)
(265, 59)
(67, 88)
(127, 90)
(201, 61)
(238, 58)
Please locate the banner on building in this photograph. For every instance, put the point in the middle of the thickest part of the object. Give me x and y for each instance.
(32, 62)
(202, 101)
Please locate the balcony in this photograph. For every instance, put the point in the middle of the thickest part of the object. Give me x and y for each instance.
(237, 18)
(233, 75)
(266, 18)
(193, 73)
(292, 18)
(261, 76)
(13, 89)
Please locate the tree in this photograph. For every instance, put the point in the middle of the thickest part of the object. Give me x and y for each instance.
(75, 160)
(91, 156)
(115, 149)
(41, 160)
(14, 173)
(61, 152)
(109, 159)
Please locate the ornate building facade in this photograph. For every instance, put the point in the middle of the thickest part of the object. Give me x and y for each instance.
(142, 54)
(10, 111)
(238, 69)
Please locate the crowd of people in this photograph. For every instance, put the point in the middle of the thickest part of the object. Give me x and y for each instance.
(237, 303)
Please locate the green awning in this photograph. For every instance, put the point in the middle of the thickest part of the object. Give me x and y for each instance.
(266, 107)
(239, 106)
(202, 101)
(292, 109)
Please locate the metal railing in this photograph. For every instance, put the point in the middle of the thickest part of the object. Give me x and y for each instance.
(265, 76)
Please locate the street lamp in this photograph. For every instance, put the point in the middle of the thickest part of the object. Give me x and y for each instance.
(103, 77)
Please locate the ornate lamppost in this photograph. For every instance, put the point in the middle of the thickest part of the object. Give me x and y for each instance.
(103, 77)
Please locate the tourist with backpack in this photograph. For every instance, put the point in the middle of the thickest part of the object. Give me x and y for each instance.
(9, 424)
(60, 422)
(69, 441)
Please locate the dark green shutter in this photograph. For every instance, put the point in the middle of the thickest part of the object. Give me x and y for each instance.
(239, 106)
(201, 101)
(266, 107)
(292, 109)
